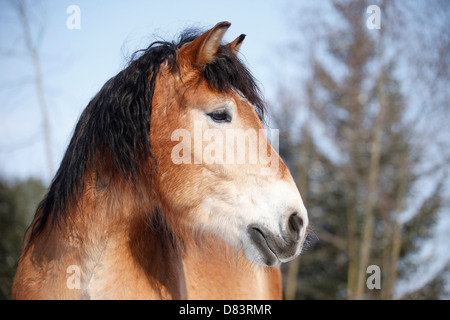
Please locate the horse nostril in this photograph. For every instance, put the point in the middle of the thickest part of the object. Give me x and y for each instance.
(295, 225)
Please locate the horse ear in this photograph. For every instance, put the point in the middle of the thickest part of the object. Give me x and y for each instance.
(236, 44)
(201, 51)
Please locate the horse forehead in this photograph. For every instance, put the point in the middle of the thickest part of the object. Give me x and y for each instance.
(195, 91)
(205, 93)
(199, 92)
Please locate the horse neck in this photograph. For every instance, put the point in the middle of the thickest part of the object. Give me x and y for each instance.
(214, 270)
(134, 250)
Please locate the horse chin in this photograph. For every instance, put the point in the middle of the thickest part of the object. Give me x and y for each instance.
(261, 255)
(266, 249)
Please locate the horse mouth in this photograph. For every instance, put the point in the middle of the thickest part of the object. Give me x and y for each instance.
(268, 255)
(270, 249)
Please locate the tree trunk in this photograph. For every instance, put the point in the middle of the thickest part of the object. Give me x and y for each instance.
(371, 196)
(353, 252)
(292, 271)
(390, 273)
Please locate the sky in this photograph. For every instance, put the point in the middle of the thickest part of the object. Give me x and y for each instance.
(77, 62)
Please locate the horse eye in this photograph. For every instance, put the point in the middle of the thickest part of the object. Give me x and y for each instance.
(220, 116)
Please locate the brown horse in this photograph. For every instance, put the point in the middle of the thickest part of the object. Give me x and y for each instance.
(169, 188)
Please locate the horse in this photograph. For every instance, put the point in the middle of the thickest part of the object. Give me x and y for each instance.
(147, 204)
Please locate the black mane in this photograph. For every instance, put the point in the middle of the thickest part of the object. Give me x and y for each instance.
(113, 130)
